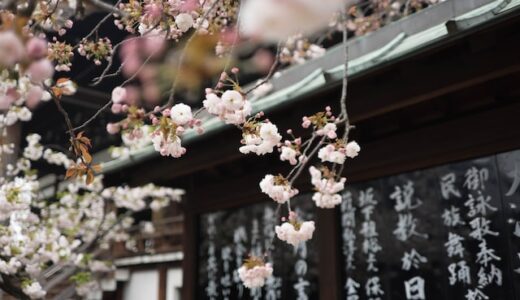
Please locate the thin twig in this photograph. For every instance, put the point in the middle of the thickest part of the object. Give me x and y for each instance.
(272, 70)
(105, 6)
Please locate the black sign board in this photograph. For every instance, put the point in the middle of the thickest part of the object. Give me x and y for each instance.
(450, 232)
(228, 237)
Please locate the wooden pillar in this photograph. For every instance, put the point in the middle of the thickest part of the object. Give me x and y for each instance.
(328, 249)
(163, 278)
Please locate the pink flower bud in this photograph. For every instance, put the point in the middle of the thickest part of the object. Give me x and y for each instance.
(69, 24)
(116, 108)
(235, 70)
(223, 76)
(113, 128)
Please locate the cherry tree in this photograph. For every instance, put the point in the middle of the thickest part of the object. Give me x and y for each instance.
(46, 239)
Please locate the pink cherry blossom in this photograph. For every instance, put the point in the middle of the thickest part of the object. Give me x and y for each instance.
(277, 188)
(11, 48)
(281, 19)
(36, 48)
(352, 149)
(118, 94)
(113, 128)
(40, 70)
(167, 146)
(34, 96)
(331, 153)
(288, 233)
(256, 276)
(262, 142)
(289, 154)
(327, 189)
(328, 130)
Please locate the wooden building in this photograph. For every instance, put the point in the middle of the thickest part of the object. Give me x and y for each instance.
(432, 95)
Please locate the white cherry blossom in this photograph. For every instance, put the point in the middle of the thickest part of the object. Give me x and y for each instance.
(327, 189)
(277, 188)
(255, 276)
(181, 114)
(262, 141)
(331, 153)
(353, 149)
(295, 235)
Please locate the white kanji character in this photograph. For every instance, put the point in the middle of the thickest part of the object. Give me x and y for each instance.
(412, 259)
(451, 217)
(414, 288)
(300, 289)
(476, 294)
(351, 286)
(448, 186)
(406, 227)
(454, 245)
(479, 205)
(373, 287)
(403, 197)
(486, 255)
(481, 228)
(475, 178)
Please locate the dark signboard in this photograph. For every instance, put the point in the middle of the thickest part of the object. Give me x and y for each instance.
(449, 232)
(228, 237)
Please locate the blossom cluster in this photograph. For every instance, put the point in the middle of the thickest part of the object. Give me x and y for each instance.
(255, 272)
(327, 187)
(298, 50)
(277, 188)
(38, 233)
(25, 69)
(231, 107)
(96, 50)
(293, 232)
(259, 137)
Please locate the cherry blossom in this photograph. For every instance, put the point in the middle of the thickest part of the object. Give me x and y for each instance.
(259, 137)
(33, 290)
(294, 232)
(254, 272)
(181, 114)
(232, 107)
(327, 188)
(281, 19)
(334, 153)
(352, 149)
(34, 150)
(184, 21)
(11, 48)
(277, 188)
(118, 94)
(328, 130)
(288, 153)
